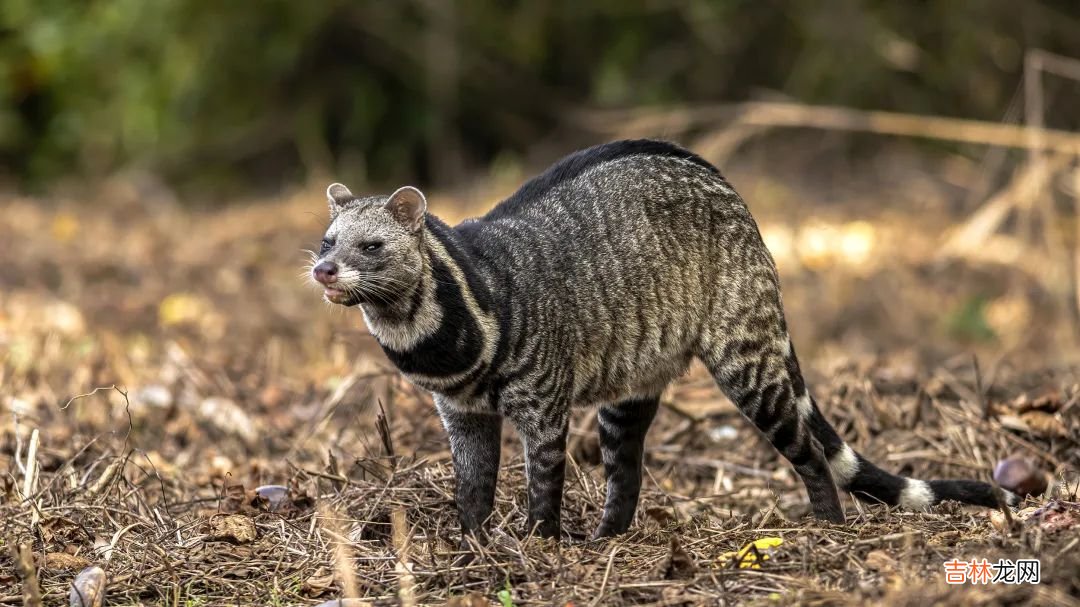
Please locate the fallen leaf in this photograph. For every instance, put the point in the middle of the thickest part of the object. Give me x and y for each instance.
(321, 581)
(1044, 424)
(235, 528)
(65, 318)
(180, 308)
(63, 560)
(753, 554)
(1056, 516)
(1035, 422)
(473, 599)
(228, 417)
(945, 538)
(880, 561)
(1049, 402)
(662, 516)
(233, 499)
(271, 396)
(678, 563)
(221, 466)
(64, 227)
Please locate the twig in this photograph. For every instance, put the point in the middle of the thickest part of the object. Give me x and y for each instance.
(984, 403)
(106, 478)
(400, 535)
(784, 114)
(30, 477)
(88, 394)
(607, 574)
(1034, 116)
(683, 413)
(1003, 505)
(1059, 65)
(383, 426)
(969, 237)
(328, 518)
(1076, 252)
(24, 566)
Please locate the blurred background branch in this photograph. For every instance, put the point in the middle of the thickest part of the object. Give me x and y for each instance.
(910, 166)
(214, 97)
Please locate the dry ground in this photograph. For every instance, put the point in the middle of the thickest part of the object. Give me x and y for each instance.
(217, 371)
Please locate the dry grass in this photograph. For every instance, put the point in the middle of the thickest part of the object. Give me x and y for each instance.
(229, 376)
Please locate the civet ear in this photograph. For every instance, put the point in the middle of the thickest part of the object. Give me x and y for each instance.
(337, 195)
(408, 206)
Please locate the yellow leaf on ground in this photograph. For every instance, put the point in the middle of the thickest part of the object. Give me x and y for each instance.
(753, 554)
(64, 227)
(181, 308)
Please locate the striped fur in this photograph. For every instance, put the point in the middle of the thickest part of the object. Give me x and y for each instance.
(595, 284)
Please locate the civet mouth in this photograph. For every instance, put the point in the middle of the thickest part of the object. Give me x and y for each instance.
(335, 295)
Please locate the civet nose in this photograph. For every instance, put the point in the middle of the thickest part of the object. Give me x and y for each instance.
(326, 272)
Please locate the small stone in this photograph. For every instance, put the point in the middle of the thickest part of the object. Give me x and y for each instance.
(153, 395)
(1020, 475)
(720, 434)
(998, 520)
(271, 497)
(88, 589)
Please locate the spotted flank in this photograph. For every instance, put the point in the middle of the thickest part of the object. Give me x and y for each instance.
(595, 284)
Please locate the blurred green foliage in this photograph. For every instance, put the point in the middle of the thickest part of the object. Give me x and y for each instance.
(267, 91)
(968, 322)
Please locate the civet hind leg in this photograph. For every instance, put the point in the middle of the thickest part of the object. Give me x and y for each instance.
(622, 429)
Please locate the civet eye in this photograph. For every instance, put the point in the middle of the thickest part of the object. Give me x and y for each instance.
(371, 247)
(326, 244)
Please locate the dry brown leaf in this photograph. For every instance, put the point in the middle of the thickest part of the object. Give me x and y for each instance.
(321, 581)
(678, 564)
(880, 561)
(64, 227)
(63, 560)
(473, 599)
(1049, 402)
(1056, 516)
(662, 516)
(235, 528)
(179, 308)
(1044, 424)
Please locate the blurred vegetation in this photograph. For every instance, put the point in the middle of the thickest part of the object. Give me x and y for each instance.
(225, 94)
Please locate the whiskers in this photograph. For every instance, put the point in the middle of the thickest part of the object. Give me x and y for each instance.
(360, 285)
(370, 286)
(307, 275)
